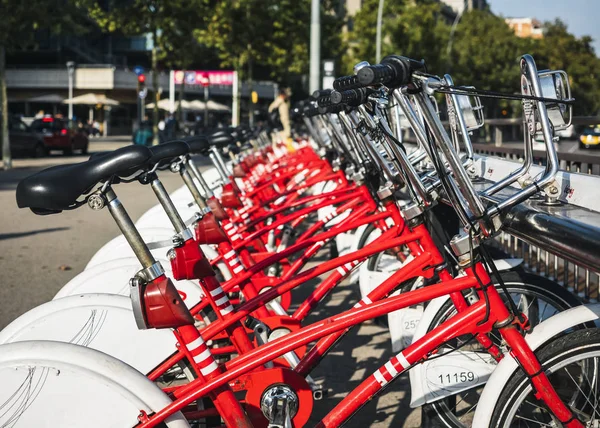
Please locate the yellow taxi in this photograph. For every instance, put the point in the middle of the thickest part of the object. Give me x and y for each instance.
(590, 137)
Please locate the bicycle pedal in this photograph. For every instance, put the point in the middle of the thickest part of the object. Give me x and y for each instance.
(319, 392)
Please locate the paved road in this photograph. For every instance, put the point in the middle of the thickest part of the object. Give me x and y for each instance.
(39, 254)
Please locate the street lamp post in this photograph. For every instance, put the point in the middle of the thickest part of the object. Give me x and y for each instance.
(206, 106)
(71, 70)
(466, 5)
(315, 45)
(378, 35)
(205, 81)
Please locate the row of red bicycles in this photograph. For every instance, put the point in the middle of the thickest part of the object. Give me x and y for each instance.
(193, 316)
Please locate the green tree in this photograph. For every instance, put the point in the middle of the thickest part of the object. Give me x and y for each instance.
(167, 23)
(269, 38)
(420, 32)
(20, 20)
(561, 50)
(485, 52)
(362, 37)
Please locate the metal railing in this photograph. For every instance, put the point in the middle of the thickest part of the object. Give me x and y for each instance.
(571, 162)
(559, 240)
(583, 282)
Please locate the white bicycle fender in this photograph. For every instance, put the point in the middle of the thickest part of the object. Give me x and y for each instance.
(118, 247)
(368, 280)
(373, 234)
(113, 278)
(90, 380)
(182, 193)
(157, 217)
(542, 333)
(104, 322)
(418, 378)
(356, 236)
(358, 233)
(213, 179)
(507, 264)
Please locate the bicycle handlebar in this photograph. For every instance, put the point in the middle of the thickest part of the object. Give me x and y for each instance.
(310, 109)
(321, 93)
(345, 83)
(394, 71)
(324, 100)
(351, 97)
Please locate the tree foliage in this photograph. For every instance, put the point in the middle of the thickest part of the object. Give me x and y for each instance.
(269, 36)
(420, 32)
(171, 25)
(362, 37)
(561, 50)
(20, 20)
(484, 51)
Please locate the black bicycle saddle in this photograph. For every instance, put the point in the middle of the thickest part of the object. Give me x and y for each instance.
(55, 189)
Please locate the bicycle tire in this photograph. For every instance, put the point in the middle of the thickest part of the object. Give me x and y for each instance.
(573, 347)
(439, 412)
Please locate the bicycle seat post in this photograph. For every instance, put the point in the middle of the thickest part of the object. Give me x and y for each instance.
(127, 227)
(165, 200)
(191, 185)
(205, 187)
(217, 160)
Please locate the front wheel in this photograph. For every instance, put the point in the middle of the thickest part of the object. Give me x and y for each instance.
(537, 297)
(572, 364)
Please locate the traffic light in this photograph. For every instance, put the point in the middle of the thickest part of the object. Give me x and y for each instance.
(254, 97)
(141, 82)
(141, 86)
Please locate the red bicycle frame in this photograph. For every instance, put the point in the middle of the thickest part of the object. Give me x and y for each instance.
(473, 320)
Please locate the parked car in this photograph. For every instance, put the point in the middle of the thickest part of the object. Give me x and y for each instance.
(59, 134)
(590, 137)
(24, 140)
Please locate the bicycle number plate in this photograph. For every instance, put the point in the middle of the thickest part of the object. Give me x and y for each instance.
(449, 375)
(402, 324)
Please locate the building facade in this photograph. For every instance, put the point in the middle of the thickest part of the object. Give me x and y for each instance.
(526, 27)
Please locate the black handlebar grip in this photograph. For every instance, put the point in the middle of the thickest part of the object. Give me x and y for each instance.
(346, 82)
(324, 100)
(394, 71)
(321, 93)
(352, 97)
(375, 74)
